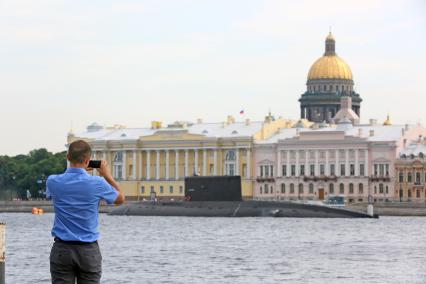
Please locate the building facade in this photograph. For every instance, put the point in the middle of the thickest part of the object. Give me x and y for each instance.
(353, 161)
(329, 78)
(411, 172)
(157, 159)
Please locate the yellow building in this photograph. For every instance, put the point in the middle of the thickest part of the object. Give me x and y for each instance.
(156, 159)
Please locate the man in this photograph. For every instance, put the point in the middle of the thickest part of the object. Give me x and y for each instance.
(76, 195)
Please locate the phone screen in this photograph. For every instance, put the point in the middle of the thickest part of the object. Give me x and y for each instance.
(94, 164)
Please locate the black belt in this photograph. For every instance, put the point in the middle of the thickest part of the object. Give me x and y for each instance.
(56, 239)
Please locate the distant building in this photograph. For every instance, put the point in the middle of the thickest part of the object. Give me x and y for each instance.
(329, 78)
(352, 161)
(411, 172)
(156, 160)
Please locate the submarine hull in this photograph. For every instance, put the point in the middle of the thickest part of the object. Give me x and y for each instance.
(234, 209)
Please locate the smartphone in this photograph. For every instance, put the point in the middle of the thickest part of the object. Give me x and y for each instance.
(94, 164)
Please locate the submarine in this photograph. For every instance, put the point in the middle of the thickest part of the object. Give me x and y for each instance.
(220, 196)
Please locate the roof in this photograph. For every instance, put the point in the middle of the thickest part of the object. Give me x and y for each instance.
(414, 149)
(216, 130)
(380, 132)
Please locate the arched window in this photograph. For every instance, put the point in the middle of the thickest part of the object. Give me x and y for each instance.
(311, 188)
(387, 190)
(360, 188)
(342, 188)
(260, 189)
(118, 165)
(351, 188)
(300, 188)
(291, 187)
(118, 157)
(266, 189)
(381, 188)
(409, 177)
(331, 188)
(283, 188)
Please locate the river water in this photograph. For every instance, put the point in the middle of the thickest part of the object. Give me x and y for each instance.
(230, 250)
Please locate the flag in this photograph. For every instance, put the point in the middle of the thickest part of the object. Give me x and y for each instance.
(242, 111)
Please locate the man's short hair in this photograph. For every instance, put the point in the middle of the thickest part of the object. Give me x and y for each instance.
(78, 151)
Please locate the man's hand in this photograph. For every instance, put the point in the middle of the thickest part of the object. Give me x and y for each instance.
(104, 169)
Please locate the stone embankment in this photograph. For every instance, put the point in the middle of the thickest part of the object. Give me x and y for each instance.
(27, 206)
(393, 208)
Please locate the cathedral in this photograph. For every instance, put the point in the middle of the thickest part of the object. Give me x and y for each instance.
(329, 79)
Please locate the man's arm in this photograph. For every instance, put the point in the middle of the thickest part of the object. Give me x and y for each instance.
(106, 174)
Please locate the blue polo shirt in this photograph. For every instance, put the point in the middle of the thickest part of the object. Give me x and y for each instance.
(76, 196)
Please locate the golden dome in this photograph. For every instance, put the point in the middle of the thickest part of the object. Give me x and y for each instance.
(387, 121)
(330, 66)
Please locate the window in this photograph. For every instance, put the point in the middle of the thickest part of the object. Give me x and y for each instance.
(387, 189)
(211, 169)
(381, 188)
(418, 178)
(271, 170)
(387, 170)
(266, 189)
(161, 189)
(266, 171)
(331, 188)
(283, 188)
(118, 172)
(142, 189)
(293, 170)
(376, 170)
(352, 169)
(332, 170)
(302, 170)
(342, 188)
(311, 188)
(170, 189)
(409, 177)
(284, 169)
(291, 187)
(342, 169)
(381, 169)
(180, 189)
(351, 188)
(312, 170)
(361, 170)
(360, 188)
(260, 189)
(322, 169)
(261, 171)
(230, 162)
(272, 189)
(300, 188)
(375, 189)
(418, 194)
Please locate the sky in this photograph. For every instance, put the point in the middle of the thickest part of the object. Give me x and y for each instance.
(66, 64)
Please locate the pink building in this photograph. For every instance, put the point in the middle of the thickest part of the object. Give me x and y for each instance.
(353, 161)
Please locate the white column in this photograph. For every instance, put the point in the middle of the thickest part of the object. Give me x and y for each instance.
(124, 175)
(134, 165)
(316, 163)
(248, 164)
(204, 162)
(196, 161)
(215, 162)
(176, 164)
(337, 166)
(288, 163)
(297, 163)
(327, 163)
(347, 163)
(186, 163)
(237, 162)
(148, 164)
(366, 163)
(167, 165)
(141, 165)
(279, 169)
(356, 162)
(307, 163)
(157, 166)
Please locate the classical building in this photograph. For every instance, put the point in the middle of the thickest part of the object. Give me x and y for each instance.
(353, 161)
(329, 79)
(410, 170)
(156, 159)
